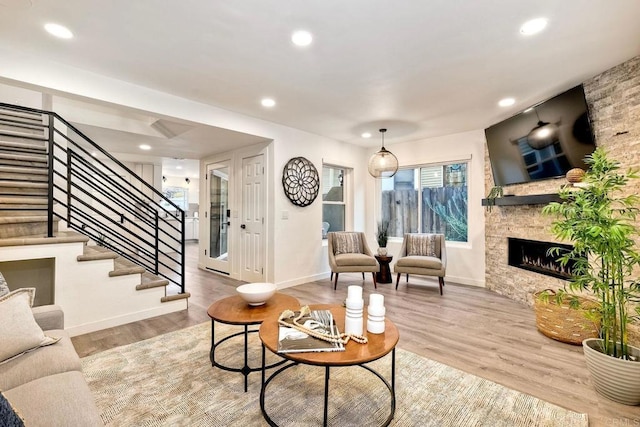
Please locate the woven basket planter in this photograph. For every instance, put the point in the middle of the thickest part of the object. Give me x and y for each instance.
(563, 323)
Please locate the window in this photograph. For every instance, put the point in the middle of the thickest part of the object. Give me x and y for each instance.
(427, 199)
(333, 199)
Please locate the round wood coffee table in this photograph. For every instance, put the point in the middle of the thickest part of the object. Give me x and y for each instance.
(235, 311)
(355, 354)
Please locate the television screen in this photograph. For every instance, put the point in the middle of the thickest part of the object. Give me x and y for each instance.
(544, 141)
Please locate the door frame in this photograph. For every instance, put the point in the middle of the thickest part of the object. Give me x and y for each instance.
(235, 205)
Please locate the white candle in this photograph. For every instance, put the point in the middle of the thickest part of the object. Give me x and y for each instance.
(376, 300)
(354, 292)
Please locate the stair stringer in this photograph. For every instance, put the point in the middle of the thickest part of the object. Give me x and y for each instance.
(90, 299)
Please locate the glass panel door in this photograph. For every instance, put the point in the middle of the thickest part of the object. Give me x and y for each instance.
(219, 213)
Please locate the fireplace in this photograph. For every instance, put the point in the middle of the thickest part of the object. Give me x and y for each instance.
(532, 255)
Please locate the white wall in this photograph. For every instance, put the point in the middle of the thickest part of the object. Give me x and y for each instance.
(296, 252)
(465, 261)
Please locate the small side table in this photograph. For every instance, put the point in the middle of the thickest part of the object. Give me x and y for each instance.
(235, 311)
(384, 275)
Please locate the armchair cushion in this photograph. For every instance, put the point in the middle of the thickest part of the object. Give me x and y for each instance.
(4, 288)
(420, 262)
(347, 243)
(352, 259)
(422, 244)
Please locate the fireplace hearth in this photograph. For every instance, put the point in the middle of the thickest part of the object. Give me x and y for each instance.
(532, 255)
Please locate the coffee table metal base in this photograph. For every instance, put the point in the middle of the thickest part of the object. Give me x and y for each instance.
(246, 369)
(265, 382)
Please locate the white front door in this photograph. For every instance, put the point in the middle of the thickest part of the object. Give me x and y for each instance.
(252, 225)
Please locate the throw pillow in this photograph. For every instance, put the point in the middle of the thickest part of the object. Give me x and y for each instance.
(347, 243)
(19, 331)
(421, 245)
(4, 288)
(8, 414)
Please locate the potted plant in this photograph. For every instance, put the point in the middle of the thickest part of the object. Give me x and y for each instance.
(495, 193)
(600, 221)
(382, 235)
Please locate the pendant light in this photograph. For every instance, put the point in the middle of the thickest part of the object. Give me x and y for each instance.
(543, 134)
(383, 164)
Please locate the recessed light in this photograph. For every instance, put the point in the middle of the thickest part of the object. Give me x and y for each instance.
(506, 102)
(58, 30)
(302, 38)
(366, 135)
(178, 167)
(533, 26)
(528, 110)
(268, 102)
(144, 147)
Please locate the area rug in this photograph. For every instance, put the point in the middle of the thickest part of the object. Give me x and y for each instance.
(169, 381)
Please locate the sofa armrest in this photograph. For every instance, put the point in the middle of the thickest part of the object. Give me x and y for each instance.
(49, 317)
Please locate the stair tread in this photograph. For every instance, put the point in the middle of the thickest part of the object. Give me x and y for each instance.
(23, 184)
(23, 169)
(22, 219)
(33, 158)
(36, 117)
(175, 297)
(40, 239)
(24, 200)
(92, 253)
(23, 146)
(123, 267)
(25, 135)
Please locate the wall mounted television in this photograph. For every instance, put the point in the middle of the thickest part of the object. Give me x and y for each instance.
(544, 141)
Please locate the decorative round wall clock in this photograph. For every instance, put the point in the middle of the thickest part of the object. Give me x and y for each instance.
(300, 181)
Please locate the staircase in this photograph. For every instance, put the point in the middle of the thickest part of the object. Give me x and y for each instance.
(53, 191)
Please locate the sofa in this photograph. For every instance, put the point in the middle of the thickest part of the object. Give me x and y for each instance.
(45, 386)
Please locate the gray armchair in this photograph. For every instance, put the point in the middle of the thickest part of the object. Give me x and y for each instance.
(422, 254)
(349, 253)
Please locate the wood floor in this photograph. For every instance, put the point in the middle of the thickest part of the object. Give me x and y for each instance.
(468, 328)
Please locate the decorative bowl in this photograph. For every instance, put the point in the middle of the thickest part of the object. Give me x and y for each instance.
(256, 293)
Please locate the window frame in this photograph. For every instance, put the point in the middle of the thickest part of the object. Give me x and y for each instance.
(416, 168)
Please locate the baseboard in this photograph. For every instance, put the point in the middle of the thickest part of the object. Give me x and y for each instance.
(165, 308)
(302, 280)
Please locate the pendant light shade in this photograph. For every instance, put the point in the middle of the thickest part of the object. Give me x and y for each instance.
(383, 164)
(542, 135)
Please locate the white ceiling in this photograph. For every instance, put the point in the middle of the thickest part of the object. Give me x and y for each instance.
(422, 68)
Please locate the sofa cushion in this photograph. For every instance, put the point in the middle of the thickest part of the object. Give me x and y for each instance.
(420, 262)
(19, 331)
(8, 415)
(61, 400)
(421, 244)
(355, 260)
(44, 361)
(346, 243)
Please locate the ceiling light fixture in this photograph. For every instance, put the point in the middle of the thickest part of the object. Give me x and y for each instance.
(144, 147)
(533, 26)
(58, 30)
(268, 102)
(366, 135)
(301, 38)
(383, 164)
(543, 134)
(506, 102)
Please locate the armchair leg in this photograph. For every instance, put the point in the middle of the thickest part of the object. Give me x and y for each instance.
(375, 285)
(335, 284)
(441, 282)
(363, 275)
(397, 281)
(407, 277)
(331, 279)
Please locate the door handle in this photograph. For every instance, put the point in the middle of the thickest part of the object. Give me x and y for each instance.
(243, 226)
(228, 222)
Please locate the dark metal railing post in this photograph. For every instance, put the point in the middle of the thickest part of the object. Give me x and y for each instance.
(69, 173)
(50, 176)
(182, 254)
(157, 243)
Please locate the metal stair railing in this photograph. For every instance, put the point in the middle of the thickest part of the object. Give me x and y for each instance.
(103, 199)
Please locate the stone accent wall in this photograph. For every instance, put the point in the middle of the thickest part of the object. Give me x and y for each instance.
(614, 106)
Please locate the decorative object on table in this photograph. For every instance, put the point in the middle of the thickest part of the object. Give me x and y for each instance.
(565, 317)
(311, 331)
(494, 193)
(300, 181)
(375, 314)
(308, 331)
(353, 322)
(382, 236)
(601, 223)
(256, 293)
(575, 175)
(383, 164)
